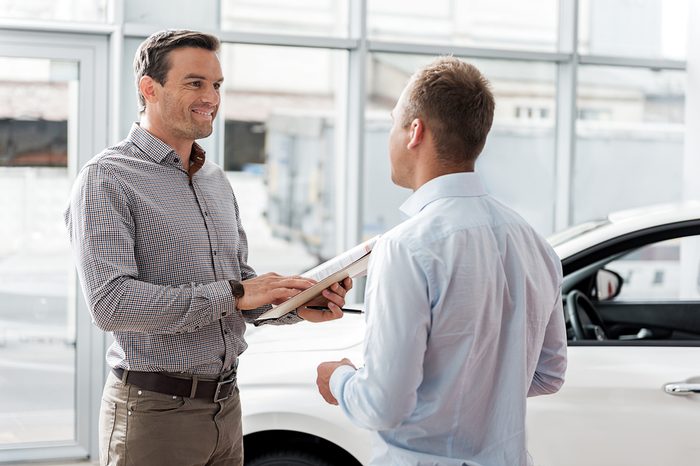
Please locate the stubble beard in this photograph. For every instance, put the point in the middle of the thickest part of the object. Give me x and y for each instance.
(186, 127)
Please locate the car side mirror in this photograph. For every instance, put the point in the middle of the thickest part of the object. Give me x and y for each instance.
(607, 285)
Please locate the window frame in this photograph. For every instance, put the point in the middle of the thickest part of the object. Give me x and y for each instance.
(90, 136)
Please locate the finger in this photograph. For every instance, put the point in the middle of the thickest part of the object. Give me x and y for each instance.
(348, 362)
(337, 289)
(323, 387)
(299, 283)
(284, 293)
(299, 277)
(328, 396)
(334, 298)
(336, 311)
(347, 284)
(313, 315)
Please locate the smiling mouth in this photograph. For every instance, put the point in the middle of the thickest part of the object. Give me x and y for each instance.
(203, 113)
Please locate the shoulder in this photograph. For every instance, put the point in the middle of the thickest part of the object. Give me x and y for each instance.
(111, 157)
(108, 168)
(513, 223)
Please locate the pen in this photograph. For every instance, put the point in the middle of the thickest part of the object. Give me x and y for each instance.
(344, 309)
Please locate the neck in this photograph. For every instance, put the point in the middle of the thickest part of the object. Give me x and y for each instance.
(434, 167)
(182, 147)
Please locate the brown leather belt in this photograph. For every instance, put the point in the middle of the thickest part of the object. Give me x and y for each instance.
(215, 390)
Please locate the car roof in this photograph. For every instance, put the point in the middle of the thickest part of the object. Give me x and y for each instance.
(586, 235)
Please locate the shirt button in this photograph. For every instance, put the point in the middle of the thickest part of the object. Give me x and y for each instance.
(176, 160)
(227, 331)
(206, 214)
(214, 252)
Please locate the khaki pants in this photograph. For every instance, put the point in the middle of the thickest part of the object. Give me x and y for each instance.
(143, 428)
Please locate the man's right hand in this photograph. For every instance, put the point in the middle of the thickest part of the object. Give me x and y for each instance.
(271, 288)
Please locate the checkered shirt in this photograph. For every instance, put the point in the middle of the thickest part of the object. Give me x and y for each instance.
(154, 247)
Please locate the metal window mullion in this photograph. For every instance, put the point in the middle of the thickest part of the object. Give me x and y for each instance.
(349, 192)
(632, 62)
(461, 51)
(55, 26)
(94, 113)
(116, 50)
(136, 30)
(565, 146)
(91, 55)
(691, 142)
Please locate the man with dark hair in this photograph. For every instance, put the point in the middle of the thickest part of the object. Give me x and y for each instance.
(162, 259)
(463, 299)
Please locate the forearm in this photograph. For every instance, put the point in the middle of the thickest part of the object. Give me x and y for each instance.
(250, 316)
(126, 304)
(370, 403)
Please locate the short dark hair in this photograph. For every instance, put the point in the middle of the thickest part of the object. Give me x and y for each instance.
(152, 56)
(455, 102)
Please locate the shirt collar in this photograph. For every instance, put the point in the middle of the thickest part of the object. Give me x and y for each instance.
(157, 150)
(463, 184)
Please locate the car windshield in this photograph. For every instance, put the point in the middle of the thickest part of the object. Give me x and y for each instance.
(563, 236)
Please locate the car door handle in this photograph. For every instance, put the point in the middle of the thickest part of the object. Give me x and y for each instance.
(682, 388)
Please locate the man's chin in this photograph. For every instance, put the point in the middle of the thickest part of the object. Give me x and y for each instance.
(201, 133)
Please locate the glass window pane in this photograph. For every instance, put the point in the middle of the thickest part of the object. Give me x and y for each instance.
(630, 127)
(650, 29)
(52, 10)
(37, 324)
(509, 24)
(280, 150)
(521, 139)
(667, 271)
(33, 114)
(304, 17)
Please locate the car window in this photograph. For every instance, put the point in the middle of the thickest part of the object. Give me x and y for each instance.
(663, 271)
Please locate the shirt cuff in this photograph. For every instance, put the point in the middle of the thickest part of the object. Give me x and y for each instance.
(222, 301)
(340, 375)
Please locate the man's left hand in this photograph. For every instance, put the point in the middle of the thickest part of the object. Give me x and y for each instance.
(332, 298)
(325, 371)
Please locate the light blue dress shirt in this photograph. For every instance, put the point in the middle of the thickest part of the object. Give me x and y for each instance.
(464, 321)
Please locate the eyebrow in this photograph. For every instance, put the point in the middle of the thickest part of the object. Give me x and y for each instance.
(196, 76)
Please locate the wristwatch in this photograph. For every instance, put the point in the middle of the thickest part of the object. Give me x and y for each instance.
(237, 289)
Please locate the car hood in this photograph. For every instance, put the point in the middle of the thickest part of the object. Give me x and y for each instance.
(335, 335)
(287, 355)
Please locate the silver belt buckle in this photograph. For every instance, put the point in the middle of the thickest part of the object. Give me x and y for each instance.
(231, 381)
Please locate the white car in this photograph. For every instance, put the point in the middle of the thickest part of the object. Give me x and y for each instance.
(632, 288)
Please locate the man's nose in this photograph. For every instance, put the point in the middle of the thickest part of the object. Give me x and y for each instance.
(211, 95)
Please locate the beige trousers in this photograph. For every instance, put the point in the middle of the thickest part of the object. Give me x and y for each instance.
(143, 428)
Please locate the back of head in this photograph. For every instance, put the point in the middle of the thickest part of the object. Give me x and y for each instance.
(152, 55)
(455, 102)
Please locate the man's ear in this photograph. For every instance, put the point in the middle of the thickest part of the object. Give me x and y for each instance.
(147, 87)
(417, 132)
